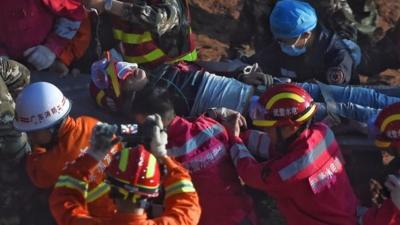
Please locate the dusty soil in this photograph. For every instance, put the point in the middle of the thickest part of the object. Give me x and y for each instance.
(220, 24)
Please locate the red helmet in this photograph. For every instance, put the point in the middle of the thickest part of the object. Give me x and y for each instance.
(388, 127)
(282, 105)
(134, 171)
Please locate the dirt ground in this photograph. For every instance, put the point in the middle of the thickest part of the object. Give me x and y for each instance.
(218, 25)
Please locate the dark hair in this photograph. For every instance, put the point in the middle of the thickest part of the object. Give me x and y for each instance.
(152, 99)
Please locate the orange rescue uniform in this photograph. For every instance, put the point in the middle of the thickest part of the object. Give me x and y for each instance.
(46, 165)
(69, 206)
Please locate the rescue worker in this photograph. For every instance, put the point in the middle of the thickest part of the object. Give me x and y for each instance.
(305, 50)
(386, 200)
(74, 51)
(305, 171)
(151, 32)
(37, 31)
(134, 179)
(115, 84)
(201, 145)
(57, 139)
(21, 202)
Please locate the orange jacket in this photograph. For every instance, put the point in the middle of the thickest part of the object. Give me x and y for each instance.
(44, 166)
(69, 206)
(79, 44)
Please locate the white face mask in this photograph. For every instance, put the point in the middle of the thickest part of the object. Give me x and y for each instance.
(292, 50)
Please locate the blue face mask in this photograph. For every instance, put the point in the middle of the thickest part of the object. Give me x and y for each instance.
(291, 50)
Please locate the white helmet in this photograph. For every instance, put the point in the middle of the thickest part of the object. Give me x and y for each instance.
(39, 106)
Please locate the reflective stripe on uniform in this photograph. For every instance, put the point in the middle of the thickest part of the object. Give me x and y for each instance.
(190, 57)
(114, 79)
(149, 57)
(99, 97)
(239, 151)
(130, 38)
(97, 192)
(196, 141)
(72, 183)
(151, 166)
(123, 160)
(179, 187)
(258, 143)
(308, 158)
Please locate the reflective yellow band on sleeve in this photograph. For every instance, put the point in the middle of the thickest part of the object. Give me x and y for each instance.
(72, 183)
(179, 187)
(97, 192)
(100, 97)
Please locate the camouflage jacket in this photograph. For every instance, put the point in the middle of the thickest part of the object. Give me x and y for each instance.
(13, 77)
(20, 202)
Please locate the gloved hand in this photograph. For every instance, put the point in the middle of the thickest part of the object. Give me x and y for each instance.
(222, 114)
(102, 140)
(393, 184)
(253, 75)
(159, 138)
(40, 57)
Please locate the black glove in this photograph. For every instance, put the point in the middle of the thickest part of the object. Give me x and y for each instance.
(253, 75)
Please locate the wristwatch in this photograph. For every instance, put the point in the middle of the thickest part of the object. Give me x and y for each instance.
(108, 5)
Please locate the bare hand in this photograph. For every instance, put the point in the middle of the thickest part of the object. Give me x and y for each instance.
(59, 68)
(233, 124)
(222, 114)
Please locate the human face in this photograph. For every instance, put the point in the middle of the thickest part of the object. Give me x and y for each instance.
(298, 42)
(40, 137)
(136, 81)
(286, 132)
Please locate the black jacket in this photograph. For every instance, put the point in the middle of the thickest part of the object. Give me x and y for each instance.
(326, 52)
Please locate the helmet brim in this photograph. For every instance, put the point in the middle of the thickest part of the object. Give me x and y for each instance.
(24, 128)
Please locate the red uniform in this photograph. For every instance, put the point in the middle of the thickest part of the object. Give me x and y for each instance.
(68, 203)
(27, 23)
(323, 196)
(202, 147)
(309, 183)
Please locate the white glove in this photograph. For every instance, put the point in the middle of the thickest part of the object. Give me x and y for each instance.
(393, 184)
(40, 57)
(159, 138)
(102, 140)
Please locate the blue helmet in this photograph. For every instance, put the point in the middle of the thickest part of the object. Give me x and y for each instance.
(291, 18)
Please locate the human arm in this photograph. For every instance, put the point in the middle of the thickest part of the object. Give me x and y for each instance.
(15, 75)
(181, 200)
(339, 63)
(389, 212)
(70, 195)
(249, 170)
(69, 15)
(157, 18)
